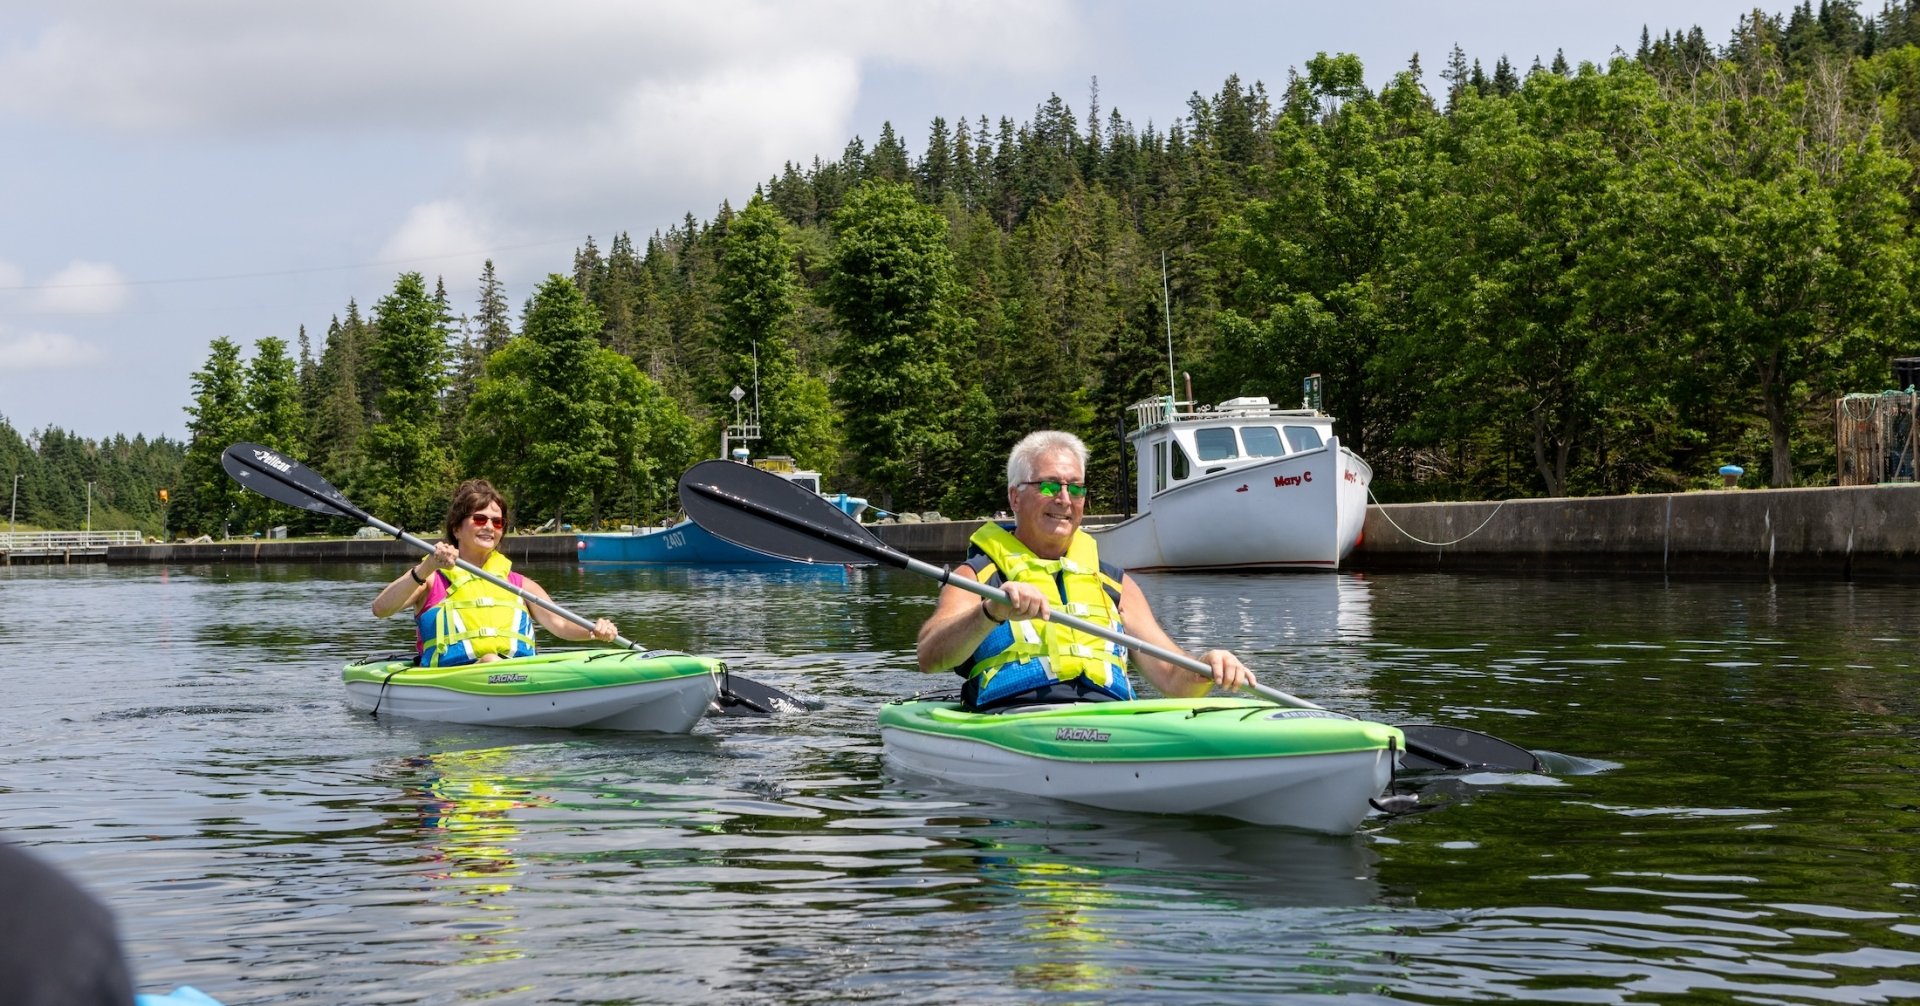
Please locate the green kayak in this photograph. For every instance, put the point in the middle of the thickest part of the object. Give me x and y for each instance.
(659, 690)
(1244, 758)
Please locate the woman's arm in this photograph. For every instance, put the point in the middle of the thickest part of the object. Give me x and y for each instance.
(405, 590)
(603, 629)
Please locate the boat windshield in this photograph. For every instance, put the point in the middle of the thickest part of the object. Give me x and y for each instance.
(1262, 441)
(1305, 438)
(806, 482)
(1215, 444)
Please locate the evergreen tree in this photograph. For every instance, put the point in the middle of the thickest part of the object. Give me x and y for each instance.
(406, 468)
(1457, 76)
(493, 322)
(274, 417)
(757, 289)
(568, 426)
(309, 377)
(588, 267)
(889, 161)
(935, 173)
(890, 284)
(617, 298)
(207, 499)
(963, 180)
(1505, 81)
(337, 421)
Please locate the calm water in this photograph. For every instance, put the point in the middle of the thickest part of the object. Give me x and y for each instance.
(178, 740)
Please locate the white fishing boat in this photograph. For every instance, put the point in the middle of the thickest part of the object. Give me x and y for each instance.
(1239, 485)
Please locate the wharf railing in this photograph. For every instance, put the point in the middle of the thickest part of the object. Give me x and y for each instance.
(35, 544)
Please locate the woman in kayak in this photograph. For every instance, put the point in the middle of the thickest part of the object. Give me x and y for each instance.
(1014, 653)
(461, 618)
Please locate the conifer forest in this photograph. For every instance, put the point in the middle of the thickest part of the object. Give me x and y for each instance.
(1513, 281)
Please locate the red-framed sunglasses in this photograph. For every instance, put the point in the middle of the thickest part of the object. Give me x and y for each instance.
(482, 520)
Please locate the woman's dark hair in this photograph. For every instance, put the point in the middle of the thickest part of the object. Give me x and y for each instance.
(470, 498)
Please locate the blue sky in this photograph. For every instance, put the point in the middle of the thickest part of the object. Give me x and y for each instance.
(181, 170)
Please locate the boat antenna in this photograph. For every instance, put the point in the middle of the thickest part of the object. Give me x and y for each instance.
(1166, 314)
(756, 384)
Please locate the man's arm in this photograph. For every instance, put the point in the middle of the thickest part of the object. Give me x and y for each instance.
(962, 619)
(1172, 680)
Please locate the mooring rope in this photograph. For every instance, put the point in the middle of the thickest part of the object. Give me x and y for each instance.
(1437, 544)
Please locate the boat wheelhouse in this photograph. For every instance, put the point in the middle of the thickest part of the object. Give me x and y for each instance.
(1239, 485)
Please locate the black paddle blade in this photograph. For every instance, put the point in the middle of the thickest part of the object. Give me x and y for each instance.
(1450, 749)
(766, 513)
(284, 480)
(745, 697)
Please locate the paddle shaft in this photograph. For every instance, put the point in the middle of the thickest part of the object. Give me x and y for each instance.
(790, 530)
(426, 548)
(866, 544)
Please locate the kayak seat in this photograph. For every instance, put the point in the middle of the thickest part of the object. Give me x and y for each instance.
(1058, 693)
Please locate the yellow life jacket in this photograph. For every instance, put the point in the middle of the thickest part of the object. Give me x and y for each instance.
(465, 617)
(1021, 655)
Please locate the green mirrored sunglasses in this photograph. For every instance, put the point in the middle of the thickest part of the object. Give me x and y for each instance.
(1052, 487)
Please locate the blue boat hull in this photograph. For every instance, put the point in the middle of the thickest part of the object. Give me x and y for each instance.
(684, 543)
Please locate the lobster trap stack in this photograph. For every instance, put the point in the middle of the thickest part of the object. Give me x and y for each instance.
(1875, 437)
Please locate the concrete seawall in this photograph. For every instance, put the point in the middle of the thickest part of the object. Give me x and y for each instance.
(1829, 531)
(1848, 531)
(1867, 531)
(516, 547)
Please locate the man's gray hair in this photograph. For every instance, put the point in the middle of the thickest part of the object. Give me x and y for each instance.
(1026, 454)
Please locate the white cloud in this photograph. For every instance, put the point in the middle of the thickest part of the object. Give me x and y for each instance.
(575, 117)
(670, 147)
(82, 287)
(44, 351)
(441, 237)
(240, 66)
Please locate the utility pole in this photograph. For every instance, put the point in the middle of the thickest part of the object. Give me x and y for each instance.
(89, 507)
(13, 515)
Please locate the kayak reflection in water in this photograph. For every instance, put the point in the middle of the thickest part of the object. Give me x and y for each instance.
(1015, 653)
(461, 618)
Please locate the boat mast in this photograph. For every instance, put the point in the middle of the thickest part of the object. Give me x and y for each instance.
(741, 430)
(1166, 314)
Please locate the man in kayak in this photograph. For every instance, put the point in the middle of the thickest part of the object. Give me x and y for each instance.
(461, 618)
(1015, 653)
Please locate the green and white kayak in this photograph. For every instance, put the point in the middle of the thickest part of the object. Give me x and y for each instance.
(659, 690)
(1244, 758)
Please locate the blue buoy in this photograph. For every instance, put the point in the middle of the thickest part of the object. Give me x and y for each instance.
(1730, 475)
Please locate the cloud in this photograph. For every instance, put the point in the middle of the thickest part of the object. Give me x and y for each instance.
(239, 66)
(82, 288)
(45, 351)
(670, 144)
(440, 237)
(571, 117)
(665, 150)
